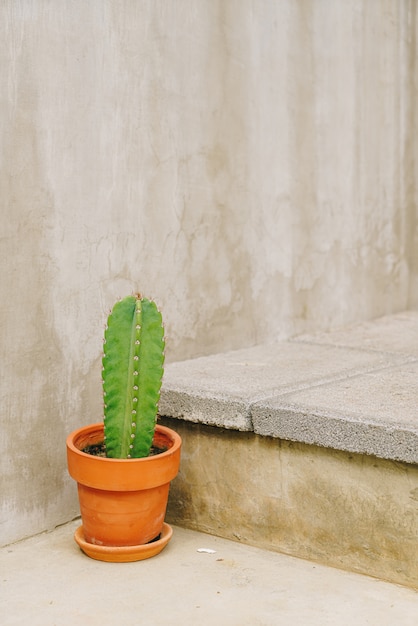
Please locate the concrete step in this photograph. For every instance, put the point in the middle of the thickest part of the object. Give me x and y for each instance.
(308, 446)
(47, 581)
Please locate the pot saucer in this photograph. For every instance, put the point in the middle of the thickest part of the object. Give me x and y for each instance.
(124, 554)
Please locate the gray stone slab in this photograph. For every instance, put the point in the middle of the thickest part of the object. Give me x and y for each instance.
(393, 333)
(219, 390)
(354, 389)
(373, 413)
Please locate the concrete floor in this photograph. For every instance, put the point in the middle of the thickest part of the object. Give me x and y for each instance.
(47, 581)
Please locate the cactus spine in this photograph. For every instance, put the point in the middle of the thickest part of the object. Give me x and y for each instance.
(132, 372)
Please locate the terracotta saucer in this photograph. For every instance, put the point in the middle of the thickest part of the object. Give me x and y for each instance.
(124, 554)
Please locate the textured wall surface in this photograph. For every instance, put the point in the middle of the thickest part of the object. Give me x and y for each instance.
(250, 164)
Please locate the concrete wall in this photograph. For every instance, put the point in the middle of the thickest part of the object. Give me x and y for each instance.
(250, 164)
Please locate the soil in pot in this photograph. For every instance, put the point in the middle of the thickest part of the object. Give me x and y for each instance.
(99, 449)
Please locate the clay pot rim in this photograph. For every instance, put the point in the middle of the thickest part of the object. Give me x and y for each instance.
(98, 428)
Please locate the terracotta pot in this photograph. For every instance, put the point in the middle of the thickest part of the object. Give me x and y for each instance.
(122, 501)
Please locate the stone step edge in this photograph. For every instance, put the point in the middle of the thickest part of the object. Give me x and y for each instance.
(249, 389)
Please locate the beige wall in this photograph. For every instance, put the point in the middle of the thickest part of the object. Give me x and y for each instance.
(250, 164)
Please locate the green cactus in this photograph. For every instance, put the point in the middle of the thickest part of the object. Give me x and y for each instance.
(133, 363)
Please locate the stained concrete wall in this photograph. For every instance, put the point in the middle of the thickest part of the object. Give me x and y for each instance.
(250, 164)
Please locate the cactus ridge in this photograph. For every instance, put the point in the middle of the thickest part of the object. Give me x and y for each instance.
(132, 372)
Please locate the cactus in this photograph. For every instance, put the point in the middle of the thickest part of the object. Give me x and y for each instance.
(133, 363)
